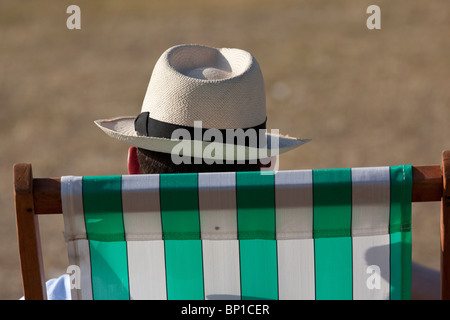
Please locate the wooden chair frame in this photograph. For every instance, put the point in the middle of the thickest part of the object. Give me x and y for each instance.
(35, 196)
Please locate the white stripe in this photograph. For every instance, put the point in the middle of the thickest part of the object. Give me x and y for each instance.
(141, 207)
(294, 204)
(79, 257)
(143, 232)
(296, 269)
(221, 269)
(217, 205)
(370, 201)
(371, 270)
(75, 235)
(294, 223)
(370, 232)
(146, 268)
(72, 207)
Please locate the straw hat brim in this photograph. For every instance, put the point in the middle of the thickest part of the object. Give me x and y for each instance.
(123, 129)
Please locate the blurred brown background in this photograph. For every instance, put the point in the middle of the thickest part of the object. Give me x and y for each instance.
(365, 97)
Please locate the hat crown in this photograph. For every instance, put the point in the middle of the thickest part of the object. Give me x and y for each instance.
(223, 88)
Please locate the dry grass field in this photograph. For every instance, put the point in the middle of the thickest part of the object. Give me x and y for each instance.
(365, 97)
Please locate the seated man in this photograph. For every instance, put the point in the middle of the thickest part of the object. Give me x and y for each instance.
(204, 111)
(425, 281)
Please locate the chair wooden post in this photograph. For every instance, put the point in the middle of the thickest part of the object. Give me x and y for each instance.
(445, 227)
(31, 262)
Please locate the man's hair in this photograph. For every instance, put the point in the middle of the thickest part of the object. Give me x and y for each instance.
(158, 162)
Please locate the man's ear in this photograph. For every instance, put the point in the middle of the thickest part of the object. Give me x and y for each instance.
(133, 162)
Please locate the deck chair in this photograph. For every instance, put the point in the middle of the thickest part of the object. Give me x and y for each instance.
(300, 234)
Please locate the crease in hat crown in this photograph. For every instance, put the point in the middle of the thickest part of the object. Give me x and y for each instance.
(223, 88)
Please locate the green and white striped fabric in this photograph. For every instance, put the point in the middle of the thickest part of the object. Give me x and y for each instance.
(302, 234)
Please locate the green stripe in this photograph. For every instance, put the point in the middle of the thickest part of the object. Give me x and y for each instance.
(181, 229)
(332, 192)
(109, 270)
(333, 268)
(332, 196)
(102, 203)
(256, 228)
(258, 269)
(255, 200)
(401, 190)
(400, 229)
(184, 269)
(179, 206)
(400, 265)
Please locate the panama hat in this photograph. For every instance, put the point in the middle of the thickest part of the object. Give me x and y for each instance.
(203, 102)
